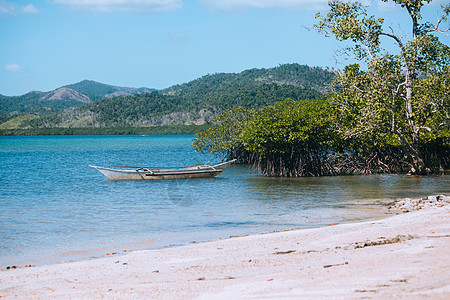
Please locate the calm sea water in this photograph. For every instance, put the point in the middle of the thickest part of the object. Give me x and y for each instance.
(54, 207)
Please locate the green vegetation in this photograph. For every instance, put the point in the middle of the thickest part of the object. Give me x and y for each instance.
(17, 122)
(155, 130)
(287, 139)
(20, 104)
(404, 94)
(67, 97)
(96, 91)
(3, 117)
(392, 117)
(196, 102)
(286, 74)
(93, 89)
(306, 138)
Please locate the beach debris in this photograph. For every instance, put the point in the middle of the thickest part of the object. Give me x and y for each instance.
(72, 281)
(397, 239)
(193, 267)
(156, 271)
(285, 252)
(407, 205)
(311, 251)
(399, 280)
(366, 291)
(336, 265)
(438, 236)
(201, 278)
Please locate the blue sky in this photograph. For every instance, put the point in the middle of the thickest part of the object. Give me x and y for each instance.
(158, 43)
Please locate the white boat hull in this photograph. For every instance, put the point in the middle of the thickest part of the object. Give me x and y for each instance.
(159, 174)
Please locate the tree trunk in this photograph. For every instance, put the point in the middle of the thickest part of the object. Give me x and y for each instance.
(412, 151)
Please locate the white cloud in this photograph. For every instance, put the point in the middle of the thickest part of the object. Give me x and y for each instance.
(13, 68)
(9, 8)
(133, 6)
(30, 9)
(179, 38)
(387, 6)
(238, 6)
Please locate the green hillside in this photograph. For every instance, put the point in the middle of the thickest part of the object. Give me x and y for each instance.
(66, 97)
(17, 122)
(287, 74)
(20, 104)
(97, 90)
(195, 102)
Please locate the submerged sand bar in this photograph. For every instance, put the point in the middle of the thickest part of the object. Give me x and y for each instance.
(406, 255)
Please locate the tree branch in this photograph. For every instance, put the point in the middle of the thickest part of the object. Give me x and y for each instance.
(438, 23)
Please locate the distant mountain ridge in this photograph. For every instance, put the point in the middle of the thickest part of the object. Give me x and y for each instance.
(65, 93)
(92, 104)
(69, 96)
(286, 74)
(100, 90)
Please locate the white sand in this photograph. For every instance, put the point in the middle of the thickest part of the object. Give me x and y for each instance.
(403, 256)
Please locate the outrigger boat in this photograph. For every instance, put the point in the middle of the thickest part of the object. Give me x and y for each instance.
(149, 173)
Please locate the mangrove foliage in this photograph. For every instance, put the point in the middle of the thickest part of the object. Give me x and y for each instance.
(311, 138)
(404, 92)
(390, 113)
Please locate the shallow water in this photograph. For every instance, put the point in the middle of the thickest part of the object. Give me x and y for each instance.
(53, 207)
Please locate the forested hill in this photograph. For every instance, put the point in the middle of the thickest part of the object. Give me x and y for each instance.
(195, 102)
(287, 74)
(97, 90)
(66, 97)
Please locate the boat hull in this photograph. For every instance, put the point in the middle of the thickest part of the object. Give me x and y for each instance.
(147, 174)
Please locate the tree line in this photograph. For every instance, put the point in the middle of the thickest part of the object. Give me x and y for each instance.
(313, 138)
(389, 114)
(151, 130)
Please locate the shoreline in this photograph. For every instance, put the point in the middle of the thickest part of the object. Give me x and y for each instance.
(404, 255)
(78, 254)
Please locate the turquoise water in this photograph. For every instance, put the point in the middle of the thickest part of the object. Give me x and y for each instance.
(54, 207)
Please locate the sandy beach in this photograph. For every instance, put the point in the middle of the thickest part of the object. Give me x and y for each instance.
(405, 255)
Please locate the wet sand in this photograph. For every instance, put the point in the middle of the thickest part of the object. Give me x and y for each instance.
(402, 256)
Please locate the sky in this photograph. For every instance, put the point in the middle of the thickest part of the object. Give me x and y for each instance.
(160, 43)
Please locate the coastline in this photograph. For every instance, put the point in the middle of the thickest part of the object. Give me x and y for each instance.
(404, 255)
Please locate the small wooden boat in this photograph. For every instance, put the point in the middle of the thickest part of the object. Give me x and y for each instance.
(149, 173)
